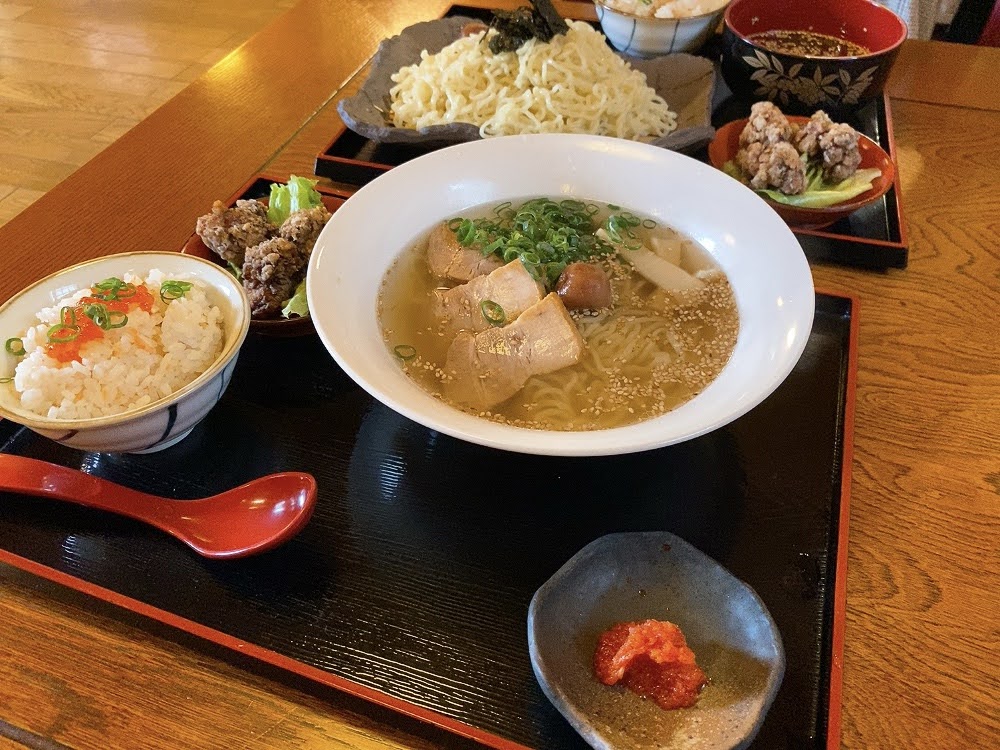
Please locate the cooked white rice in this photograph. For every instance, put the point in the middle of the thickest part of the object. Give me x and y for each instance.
(666, 8)
(152, 356)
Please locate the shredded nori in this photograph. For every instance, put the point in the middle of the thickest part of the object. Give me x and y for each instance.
(515, 27)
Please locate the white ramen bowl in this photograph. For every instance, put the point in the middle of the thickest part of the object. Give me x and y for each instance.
(161, 423)
(769, 274)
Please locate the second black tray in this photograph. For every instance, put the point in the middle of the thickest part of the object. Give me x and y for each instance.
(873, 237)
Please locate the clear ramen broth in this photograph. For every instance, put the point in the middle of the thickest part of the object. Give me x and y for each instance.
(646, 354)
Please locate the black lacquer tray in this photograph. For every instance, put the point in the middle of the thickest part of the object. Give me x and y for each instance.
(410, 585)
(873, 237)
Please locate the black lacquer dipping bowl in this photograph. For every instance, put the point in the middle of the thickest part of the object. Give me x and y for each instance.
(802, 84)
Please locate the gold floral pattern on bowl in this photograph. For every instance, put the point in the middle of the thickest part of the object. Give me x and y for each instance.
(821, 88)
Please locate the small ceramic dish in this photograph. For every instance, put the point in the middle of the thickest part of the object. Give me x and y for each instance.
(649, 36)
(157, 425)
(282, 327)
(726, 143)
(655, 575)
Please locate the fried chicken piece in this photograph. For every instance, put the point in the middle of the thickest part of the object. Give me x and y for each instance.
(806, 138)
(748, 158)
(841, 156)
(766, 125)
(780, 167)
(230, 231)
(271, 271)
(766, 128)
(303, 227)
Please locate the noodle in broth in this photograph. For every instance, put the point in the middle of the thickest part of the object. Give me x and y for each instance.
(650, 352)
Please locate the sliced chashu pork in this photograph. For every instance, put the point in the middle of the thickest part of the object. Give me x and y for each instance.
(511, 287)
(448, 259)
(488, 368)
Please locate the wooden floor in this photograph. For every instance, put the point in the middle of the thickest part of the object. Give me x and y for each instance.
(77, 74)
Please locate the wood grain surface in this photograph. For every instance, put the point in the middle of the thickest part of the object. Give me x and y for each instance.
(922, 655)
(74, 76)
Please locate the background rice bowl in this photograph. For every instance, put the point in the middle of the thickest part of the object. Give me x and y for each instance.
(769, 274)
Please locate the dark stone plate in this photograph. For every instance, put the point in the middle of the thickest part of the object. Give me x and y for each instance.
(655, 575)
(686, 82)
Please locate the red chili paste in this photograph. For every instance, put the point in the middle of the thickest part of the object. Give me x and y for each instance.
(650, 658)
(67, 351)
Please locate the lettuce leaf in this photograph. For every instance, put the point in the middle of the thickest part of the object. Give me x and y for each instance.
(297, 195)
(297, 304)
(818, 194)
(824, 195)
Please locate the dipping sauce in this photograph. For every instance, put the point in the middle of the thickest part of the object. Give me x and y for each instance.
(807, 43)
(652, 659)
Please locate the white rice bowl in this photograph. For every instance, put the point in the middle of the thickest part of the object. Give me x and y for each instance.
(666, 8)
(660, 27)
(138, 388)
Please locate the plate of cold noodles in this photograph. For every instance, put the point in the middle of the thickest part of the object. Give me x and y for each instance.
(455, 79)
(561, 294)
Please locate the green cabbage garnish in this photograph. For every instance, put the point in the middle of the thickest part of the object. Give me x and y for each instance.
(818, 194)
(297, 195)
(297, 304)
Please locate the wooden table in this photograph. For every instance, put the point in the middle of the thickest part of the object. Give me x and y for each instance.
(922, 662)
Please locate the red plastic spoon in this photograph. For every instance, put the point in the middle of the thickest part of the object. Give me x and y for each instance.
(251, 518)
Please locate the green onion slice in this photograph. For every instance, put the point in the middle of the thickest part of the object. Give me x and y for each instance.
(67, 316)
(126, 291)
(109, 289)
(6, 380)
(405, 352)
(14, 346)
(104, 318)
(97, 313)
(63, 334)
(466, 232)
(108, 285)
(171, 290)
(493, 313)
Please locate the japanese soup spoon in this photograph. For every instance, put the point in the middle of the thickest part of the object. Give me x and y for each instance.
(248, 519)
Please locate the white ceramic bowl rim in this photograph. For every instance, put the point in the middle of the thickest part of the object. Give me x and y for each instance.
(232, 345)
(657, 19)
(770, 276)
